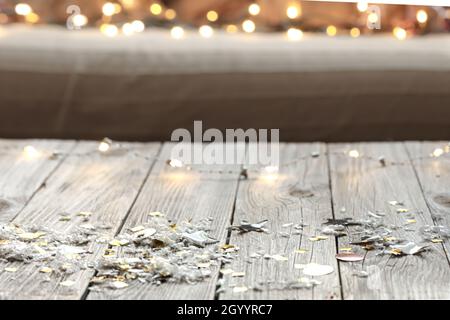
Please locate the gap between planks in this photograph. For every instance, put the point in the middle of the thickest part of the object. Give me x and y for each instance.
(103, 184)
(181, 196)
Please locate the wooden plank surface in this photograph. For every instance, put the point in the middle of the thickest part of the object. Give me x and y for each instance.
(361, 185)
(299, 194)
(434, 178)
(122, 188)
(104, 184)
(21, 175)
(181, 195)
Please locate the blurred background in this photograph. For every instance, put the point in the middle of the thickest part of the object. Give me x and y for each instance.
(138, 69)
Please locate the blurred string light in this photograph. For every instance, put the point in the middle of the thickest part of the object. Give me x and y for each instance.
(106, 146)
(177, 32)
(372, 18)
(294, 34)
(422, 16)
(109, 30)
(31, 152)
(212, 16)
(254, 9)
(355, 32)
(353, 154)
(331, 31)
(170, 14)
(23, 9)
(32, 17)
(206, 31)
(138, 26)
(175, 163)
(109, 9)
(293, 12)
(399, 33)
(127, 29)
(438, 152)
(362, 6)
(231, 28)
(80, 20)
(156, 9)
(248, 26)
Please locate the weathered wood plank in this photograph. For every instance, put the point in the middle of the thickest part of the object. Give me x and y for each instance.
(361, 185)
(106, 185)
(181, 195)
(434, 178)
(300, 194)
(21, 176)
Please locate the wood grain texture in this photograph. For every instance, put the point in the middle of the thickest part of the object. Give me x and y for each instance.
(362, 185)
(122, 188)
(20, 176)
(181, 195)
(106, 185)
(434, 178)
(300, 194)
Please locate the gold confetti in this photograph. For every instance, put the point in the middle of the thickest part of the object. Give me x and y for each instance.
(67, 283)
(118, 243)
(226, 271)
(204, 265)
(240, 289)
(11, 270)
(346, 249)
(46, 270)
(137, 229)
(436, 240)
(42, 244)
(85, 214)
(31, 236)
(227, 246)
(396, 252)
(301, 251)
(39, 249)
(119, 284)
(65, 218)
(124, 267)
(3, 242)
(318, 238)
(156, 214)
(402, 210)
(409, 221)
(279, 258)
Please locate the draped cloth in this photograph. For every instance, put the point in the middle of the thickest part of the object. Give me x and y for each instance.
(80, 84)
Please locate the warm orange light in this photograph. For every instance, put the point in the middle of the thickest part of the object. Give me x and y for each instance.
(399, 33)
(422, 16)
(355, 32)
(331, 31)
(212, 16)
(248, 26)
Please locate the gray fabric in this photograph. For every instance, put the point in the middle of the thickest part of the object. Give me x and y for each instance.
(60, 84)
